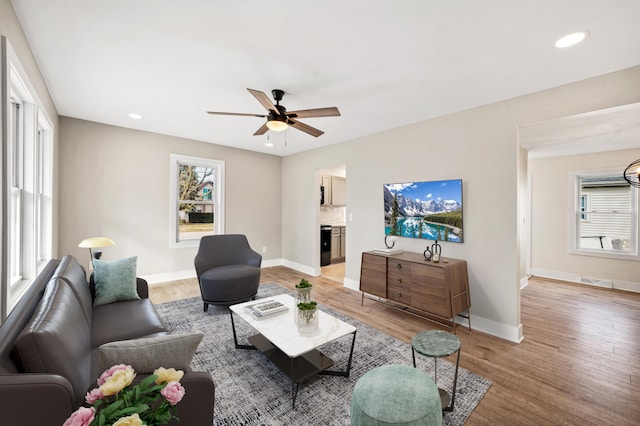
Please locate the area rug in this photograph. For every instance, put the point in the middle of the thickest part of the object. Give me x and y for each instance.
(252, 391)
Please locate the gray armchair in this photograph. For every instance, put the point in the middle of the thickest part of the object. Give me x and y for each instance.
(228, 270)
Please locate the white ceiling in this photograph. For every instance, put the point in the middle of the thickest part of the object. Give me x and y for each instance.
(610, 129)
(383, 63)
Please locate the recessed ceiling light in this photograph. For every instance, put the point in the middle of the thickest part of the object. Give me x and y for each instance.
(269, 144)
(135, 116)
(571, 39)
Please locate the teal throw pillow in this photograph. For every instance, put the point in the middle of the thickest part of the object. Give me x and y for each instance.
(115, 280)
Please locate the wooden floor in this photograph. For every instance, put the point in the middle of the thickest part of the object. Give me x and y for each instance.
(579, 363)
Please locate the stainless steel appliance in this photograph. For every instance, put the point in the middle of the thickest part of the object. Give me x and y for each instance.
(325, 245)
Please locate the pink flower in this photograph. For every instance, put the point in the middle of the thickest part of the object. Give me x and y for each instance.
(173, 392)
(108, 373)
(93, 396)
(81, 417)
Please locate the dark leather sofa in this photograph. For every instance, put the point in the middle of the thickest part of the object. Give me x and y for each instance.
(66, 353)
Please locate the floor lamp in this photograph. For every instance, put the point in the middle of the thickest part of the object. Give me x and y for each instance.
(94, 243)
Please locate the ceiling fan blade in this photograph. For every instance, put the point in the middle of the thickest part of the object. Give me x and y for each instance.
(305, 128)
(264, 100)
(315, 112)
(235, 113)
(262, 130)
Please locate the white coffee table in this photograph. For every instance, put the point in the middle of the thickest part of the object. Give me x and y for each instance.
(295, 354)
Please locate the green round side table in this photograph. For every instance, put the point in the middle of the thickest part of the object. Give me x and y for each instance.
(437, 344)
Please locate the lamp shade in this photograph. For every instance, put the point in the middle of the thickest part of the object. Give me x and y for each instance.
(95, 242)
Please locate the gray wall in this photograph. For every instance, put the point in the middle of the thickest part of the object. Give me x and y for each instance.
(551, 187)
(11, 29)
(479, 146)
(115, 182)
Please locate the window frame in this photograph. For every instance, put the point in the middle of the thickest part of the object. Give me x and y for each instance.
(28, 163)
(576, 214)
(218, 200)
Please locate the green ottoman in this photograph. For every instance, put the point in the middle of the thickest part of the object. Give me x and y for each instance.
(395, 395)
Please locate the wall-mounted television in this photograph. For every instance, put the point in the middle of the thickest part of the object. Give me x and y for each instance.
(430, 210)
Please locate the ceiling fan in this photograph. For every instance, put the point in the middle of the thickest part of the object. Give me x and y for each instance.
(279, 119)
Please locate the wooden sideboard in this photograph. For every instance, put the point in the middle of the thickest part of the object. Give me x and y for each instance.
(436, 291)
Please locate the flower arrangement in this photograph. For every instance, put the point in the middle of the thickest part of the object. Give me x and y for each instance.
(303, 284)
(303, 291)
(114, 402)
(307, 311)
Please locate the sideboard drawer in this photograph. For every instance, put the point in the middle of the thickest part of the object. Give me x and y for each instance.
(399, 294)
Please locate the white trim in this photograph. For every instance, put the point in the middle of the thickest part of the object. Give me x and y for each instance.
(16, 84)
(314, 272)
(497, 329)
(575, 213)
(218, 202)
(169, 276)
(352, 284)
(591, 281)
(191, 273)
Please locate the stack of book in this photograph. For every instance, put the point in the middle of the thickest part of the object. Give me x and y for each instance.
(266, 308)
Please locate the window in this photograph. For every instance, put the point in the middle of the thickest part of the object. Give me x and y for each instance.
(605, 222)
(585, 207)
(43, 191)
(15, 155)
(28, 140)
(197, 194)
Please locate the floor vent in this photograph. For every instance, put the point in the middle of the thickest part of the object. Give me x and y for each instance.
(597, 282)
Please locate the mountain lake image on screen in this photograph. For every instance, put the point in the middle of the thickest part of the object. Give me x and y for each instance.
(430, 210)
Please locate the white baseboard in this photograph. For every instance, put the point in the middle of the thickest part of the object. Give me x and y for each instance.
(351, 283)
(272, 262)
(169, 276)
(524, 282)
(503, 331)
(314, 272)
(592, 281)
(191, 273)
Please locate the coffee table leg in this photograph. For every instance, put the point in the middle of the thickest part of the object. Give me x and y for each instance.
(235, 337)
(346, 372)
(294, 387)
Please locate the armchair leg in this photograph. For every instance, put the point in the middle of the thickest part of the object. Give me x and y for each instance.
(206, 306)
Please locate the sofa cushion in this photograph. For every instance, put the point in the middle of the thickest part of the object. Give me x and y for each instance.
(57, 339)
(126, 320)
(147, 354)
(75, 276)
(115, 280)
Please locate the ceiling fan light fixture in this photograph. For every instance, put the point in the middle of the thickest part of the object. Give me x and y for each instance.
(632, 174)
(277, 124)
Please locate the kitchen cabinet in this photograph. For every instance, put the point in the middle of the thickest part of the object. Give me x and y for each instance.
(326, 185)
(436, 291)
(338, 191)
(338, 239)
(335, 190)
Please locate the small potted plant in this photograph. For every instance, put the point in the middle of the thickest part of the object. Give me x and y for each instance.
(307, 317)
(303, 291)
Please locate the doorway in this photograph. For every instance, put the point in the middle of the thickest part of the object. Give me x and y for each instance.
(333, 205)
